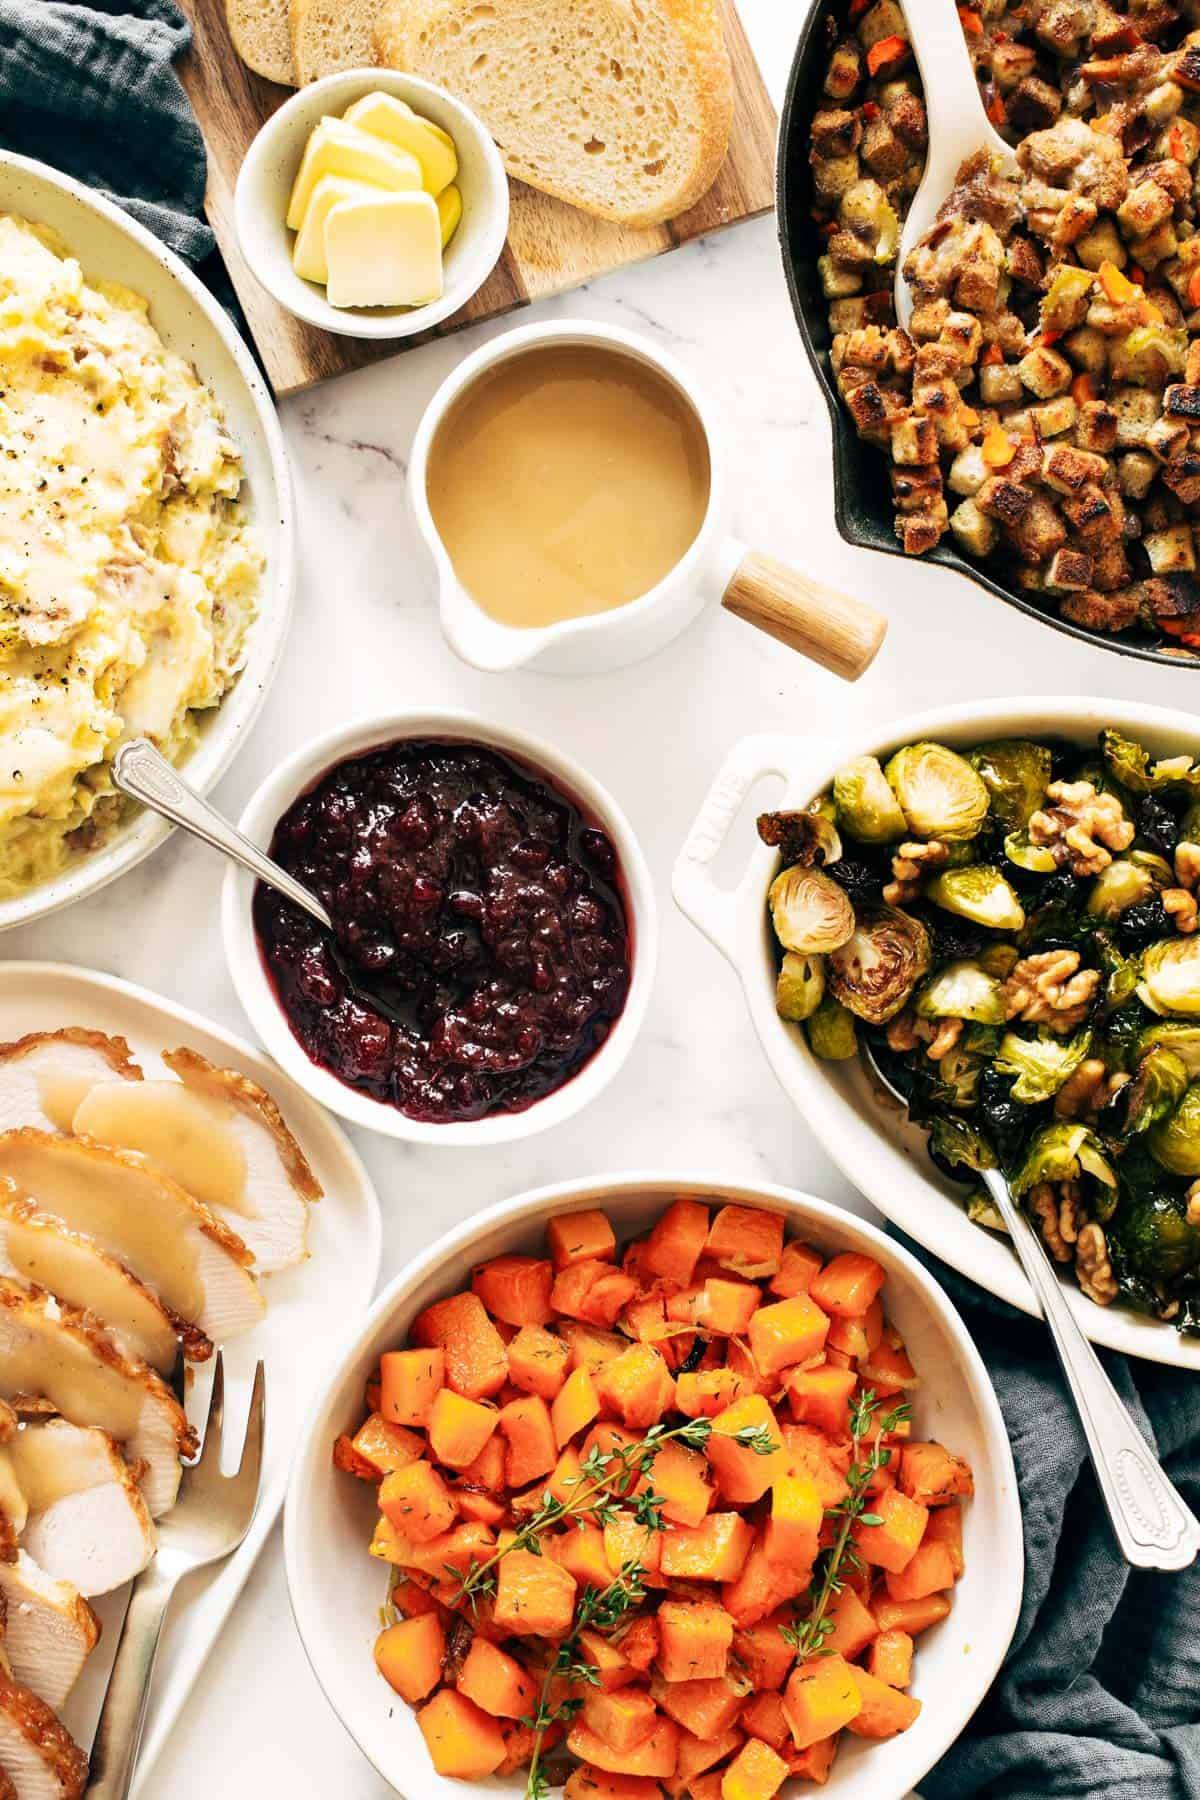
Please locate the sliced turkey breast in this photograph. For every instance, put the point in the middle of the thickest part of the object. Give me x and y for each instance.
(223, 1138)
(62, 1356)
(50, 1633)
(37, 1754)
(37, 1247)
(44, 1075)
(87, 1522)
(172, 1242)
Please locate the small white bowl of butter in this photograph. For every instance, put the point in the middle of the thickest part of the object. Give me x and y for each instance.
(372, 204)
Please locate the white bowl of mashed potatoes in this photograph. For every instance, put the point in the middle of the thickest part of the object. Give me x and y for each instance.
(146, 533)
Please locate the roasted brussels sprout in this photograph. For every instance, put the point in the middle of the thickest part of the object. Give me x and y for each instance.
(800, 986)
(1130, 764)
(1016, 774)
(1040, 1065)
(1064, 1151)
(999, 960)
(979, 893)
(939, 792)
(831, 1032)
(955, 1144)
(982, 1210)
(809, 911)
(1034, 859)
(1159, 1083)
(1175, 1143)
(807, 838)
(1128, 881)
(1171, 976)
(962, 990)
(1150, 1228)
(866, 805)
(1183, 1040)
(876, 969)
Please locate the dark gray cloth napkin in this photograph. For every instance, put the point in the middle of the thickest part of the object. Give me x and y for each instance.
(1100, 1693)
(91, 91)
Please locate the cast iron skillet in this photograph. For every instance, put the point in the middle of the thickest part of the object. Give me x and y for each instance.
(861, 494)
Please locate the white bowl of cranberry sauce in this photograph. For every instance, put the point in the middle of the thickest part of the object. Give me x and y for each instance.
(495, 929)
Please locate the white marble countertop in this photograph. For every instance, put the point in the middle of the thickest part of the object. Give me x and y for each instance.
(696, 1091)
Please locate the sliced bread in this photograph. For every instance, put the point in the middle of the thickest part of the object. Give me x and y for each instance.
(621, 107)
(330, 35)
(259, 29)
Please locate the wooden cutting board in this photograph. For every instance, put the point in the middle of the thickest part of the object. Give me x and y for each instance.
(551, 247)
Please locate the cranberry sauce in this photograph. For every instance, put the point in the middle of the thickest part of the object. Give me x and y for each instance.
(482, 951)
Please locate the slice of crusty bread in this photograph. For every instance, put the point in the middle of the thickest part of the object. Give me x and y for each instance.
(330, 35)
(259, 29)
(621, 107)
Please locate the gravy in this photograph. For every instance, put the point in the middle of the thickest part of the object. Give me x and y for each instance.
(567, 481)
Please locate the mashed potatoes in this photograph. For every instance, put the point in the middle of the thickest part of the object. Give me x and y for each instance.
(128, 574)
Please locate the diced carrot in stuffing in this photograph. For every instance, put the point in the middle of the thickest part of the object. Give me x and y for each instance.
(888, 1369)
(575, 1406)
(743, 1473)
(409, 1656)
(946, 1527)
(703, 1393)
(930, 1571)
(693, 1640)
(821, 1696)
(795, 1522)
(714, 1550)
(586, 1783)
(848, 1284)
(890, 1658)
(627, 1542)
(747, 1239)
(636, 1386)
(639, 1646)
(580, 1551)
(706, 1707)
(680, 1477)
(487, 1469)
(537, 1361)
(386, 1447)
(698, 1755)
(756, 1773)
(418, 1503)
(717, 1305)
(624, 1717)
(476, 1359)
(532, 1448)
(535, 1597)
(588, 1347)
(815, 1763)
(787, 1332)
(821, 1397)
(892, 1544)
(580, 1237)
(496, 1682)
(884, 1710)
(764, 1652)
(463, 1742)
(655, 1755)
(932, 1475)
(913, 1616)
(515, 1289)
(677, 1242)
(798, 1267)
(860, 1336)
(613, 1669)
(854, 1625)
(762, 1717)
(810, 1453)
(408, 1381)
(762, 1586)
(459, 1429)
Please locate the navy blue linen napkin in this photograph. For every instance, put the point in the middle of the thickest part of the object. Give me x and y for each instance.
(1100, 1692)
(91, 91)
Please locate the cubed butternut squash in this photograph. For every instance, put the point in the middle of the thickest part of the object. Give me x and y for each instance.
(532, 1447)
(613, 1669)
(537, 1361)
(847, 1284)
(884, 1711)
(787, 1332)
(589, 1347)
(580, 1550)
(676, 1243)
(693, 1640)
(929, 1571)
(892, 1543)
(762, 1717)
(798, 1267)
(717, 1305)
(756, 1773)
(587, 1783)
(680, 1477)
(714, 1550)
(623, 1717)
(764, 1652)
(459, 1429)
(703, 1393)
(385, 1446)
(761, 1587)
(890, 1658)
(820, 1698)
(932, 1475)
(418, 1502)
(821, 1397)
(913, 1616)
(795, 1522)
(816, 1762)
(408, 1382)
(580, 1237)
(628, 1544)
(496, 1682)
(636, 1386)
(655, 1755)
(639, 1646)
(946, 1527)
(487, 1469)
(535, 1596)
(409, 1655)
(854, 1625)
(861, 1335)
(705, 1707)
(515, 1289)
(748, 1240)
(743, 1472)
(476, 1358)
(698, 1755)
(463, 1742)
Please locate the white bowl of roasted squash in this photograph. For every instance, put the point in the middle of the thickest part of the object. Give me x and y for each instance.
(651, 1487)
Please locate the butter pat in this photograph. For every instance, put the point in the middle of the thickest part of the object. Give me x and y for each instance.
(395, 123)
(308, 254)
(384, 250)
(338, 148)
(449, 205)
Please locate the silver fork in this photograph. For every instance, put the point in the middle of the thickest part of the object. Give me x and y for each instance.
(207, 1522)
(1153, 1526)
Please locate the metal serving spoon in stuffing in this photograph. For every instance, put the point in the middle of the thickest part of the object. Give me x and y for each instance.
(958, 123)
(1153, 1526)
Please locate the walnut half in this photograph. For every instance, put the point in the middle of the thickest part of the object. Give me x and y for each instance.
(1082, 827)
(1093, 1270)
(1050, 989)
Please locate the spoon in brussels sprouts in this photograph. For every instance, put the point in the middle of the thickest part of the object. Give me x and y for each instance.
(1153, 1526)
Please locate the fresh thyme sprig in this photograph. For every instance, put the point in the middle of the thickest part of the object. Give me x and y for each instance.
(810, 1631)
(604, 1480)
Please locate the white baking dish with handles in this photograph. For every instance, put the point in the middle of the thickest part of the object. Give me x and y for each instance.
(865, 1133)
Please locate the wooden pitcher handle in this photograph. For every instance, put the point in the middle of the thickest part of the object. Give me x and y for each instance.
(840, 633)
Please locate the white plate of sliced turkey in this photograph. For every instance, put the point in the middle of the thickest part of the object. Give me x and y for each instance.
(163, 1189)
